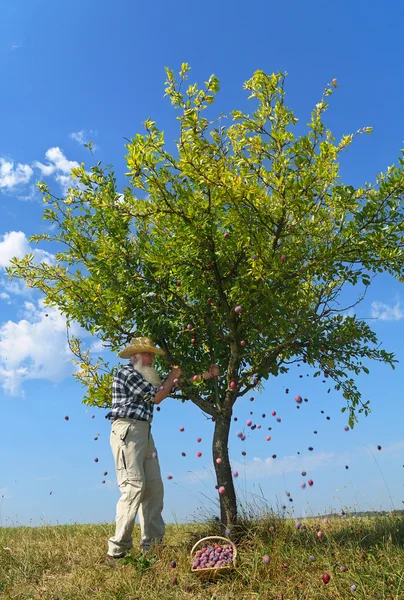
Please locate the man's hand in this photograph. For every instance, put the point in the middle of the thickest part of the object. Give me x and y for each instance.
(176, 373)
(167, 385)
(213, 372)
(214, 369)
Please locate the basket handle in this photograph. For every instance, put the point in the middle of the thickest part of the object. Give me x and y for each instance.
(216, 537)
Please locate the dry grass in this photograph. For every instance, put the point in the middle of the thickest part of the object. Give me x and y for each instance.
(65, 562)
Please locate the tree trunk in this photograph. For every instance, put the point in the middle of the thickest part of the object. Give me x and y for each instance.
(220, 449)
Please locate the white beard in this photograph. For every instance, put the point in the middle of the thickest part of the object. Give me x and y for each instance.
(149, 373)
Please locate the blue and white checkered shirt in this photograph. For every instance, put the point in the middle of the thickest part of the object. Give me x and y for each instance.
(132, 395)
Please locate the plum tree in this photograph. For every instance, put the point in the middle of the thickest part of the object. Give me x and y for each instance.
(255, 224)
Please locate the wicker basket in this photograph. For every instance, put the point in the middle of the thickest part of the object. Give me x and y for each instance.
(213, 571)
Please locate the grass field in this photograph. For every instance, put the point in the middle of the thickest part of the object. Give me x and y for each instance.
(65, 562)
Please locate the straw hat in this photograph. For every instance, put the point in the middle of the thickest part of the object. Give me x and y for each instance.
(140, 344)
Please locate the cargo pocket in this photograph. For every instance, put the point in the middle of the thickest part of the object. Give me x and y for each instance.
(121, 470)
(119, 432)
(130, 448)
(152, 465)
(123, 459)
(120, 428)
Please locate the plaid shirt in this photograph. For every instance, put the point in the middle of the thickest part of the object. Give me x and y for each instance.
(132, 395)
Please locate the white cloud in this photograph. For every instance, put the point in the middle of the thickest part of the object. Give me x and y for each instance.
(259, 468)
(97, 346)
(11, 176)
(35, 347)
(30, 195)
(15, 243)
(65, 182)
(384, 312)
(58, 162)
(59, 166)
(82, 137)
(79, 137)
(15, 288)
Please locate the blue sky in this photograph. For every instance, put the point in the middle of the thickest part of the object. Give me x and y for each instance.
(81, 71)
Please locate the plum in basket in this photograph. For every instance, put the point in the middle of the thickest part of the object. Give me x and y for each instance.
(213, 556)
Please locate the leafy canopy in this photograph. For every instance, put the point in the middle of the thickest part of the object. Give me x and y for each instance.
(245, 214)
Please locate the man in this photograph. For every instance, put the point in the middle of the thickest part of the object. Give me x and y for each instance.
(136, 388)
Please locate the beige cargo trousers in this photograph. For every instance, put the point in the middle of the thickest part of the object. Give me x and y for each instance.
(139, 480)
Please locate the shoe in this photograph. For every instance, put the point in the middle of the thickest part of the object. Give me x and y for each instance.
(112, 561)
